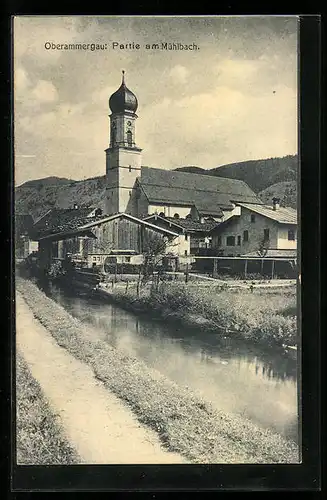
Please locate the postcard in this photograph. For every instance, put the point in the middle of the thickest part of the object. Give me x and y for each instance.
(156, 240)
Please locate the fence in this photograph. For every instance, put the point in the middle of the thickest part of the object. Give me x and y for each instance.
(246, 267)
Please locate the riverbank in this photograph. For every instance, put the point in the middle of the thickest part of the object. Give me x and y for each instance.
(99, 426)
(265, 316)
(185, 423)
(39, 434)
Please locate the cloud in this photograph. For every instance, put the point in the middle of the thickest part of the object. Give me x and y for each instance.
(179, 74)
(21, 80)
(207, 107)
(25, 156)
(233, 71)
(45, 91)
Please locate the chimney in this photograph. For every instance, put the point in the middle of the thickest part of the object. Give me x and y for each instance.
(276, 203)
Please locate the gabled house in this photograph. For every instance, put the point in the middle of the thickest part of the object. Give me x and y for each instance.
(196, 232)
(94, 239)
(257, 230)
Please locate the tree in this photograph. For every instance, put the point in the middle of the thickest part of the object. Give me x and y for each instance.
(154, 248)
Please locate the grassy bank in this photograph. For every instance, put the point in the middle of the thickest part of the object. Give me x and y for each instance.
(38, 432)
(185, 423)
(266, 315)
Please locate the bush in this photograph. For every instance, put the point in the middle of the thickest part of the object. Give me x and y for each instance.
(261, 316)
(55, 270)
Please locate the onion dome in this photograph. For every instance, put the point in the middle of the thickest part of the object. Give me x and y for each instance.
(123, 99)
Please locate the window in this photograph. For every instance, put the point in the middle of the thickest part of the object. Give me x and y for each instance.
(129, 168)
(238, 240)
(129, 138)
(94, 258)
(99, 258)
(127, 259)
(266, 234)
(176, 216)
(219, 240)
(245, 236)
(185, 252)
(291, 235)
(185, 236)
(252, 217)
(230, 241)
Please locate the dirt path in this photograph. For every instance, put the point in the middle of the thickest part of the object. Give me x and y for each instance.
(100, 427)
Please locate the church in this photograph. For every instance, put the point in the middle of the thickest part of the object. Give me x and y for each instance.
(142, 191)
(141, 203)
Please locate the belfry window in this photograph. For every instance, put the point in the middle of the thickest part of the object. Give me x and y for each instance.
(129, 138)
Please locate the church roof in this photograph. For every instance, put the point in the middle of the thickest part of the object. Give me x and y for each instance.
(208, 193)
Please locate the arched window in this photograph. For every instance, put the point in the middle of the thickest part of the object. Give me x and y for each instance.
(129, 138)
(176, 216)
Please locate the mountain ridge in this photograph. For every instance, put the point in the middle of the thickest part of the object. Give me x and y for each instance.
(266, 178)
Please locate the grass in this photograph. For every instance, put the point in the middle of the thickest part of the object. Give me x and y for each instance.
(184, 421)
(266, 316)
(39, 436)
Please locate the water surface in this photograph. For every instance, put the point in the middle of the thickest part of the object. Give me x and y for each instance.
(233, 375)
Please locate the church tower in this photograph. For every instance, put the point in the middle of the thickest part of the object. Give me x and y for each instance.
(123, 157)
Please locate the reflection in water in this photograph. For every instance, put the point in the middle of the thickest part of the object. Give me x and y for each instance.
(231, 375)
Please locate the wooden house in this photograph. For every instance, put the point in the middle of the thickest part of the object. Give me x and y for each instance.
(95, 239)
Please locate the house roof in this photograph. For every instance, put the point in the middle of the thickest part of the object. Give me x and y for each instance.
(213, 211)
(188, 225)
(221, 225)
(85, 224)
(278, 253)
(283, 215)
(207, 193)
(58, 219)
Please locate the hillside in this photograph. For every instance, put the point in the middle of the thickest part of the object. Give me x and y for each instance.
(258, 174)
(37, 197)
(268, 178)
(48, 181)
(286, 191)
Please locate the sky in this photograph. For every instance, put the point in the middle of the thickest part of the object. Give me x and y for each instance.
(234, 99)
